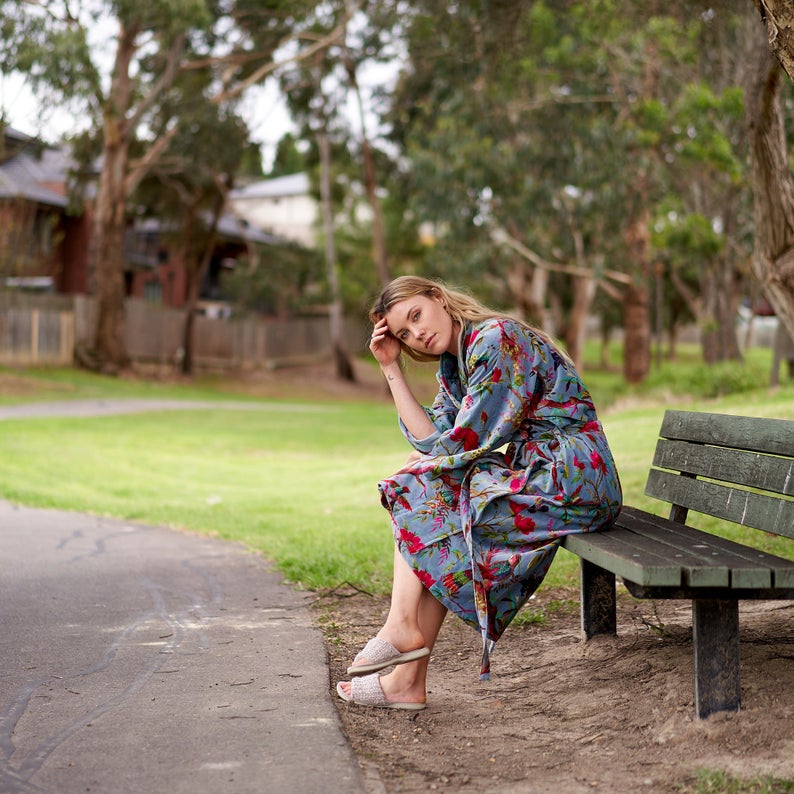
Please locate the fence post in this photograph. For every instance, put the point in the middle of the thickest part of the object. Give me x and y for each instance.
(34, 335)
(67, 338)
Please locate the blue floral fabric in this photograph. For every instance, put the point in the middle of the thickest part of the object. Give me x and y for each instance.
(517, 461)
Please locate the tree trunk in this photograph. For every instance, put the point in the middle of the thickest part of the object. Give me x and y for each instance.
(107, 254)
(637, 328)
(636, 302)
(344, 367)
(197, 264)
(778, 16)
(370, 181)
(107, 249)
(527, 287)
(773, 187)
(584, 289)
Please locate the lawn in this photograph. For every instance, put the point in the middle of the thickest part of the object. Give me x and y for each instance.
(297, 480)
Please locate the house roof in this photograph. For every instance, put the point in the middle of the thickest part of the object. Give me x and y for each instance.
(291, 185)
(39, 178)
(230, 227)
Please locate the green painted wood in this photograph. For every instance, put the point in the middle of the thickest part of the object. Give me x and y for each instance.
(746, 508)
(598, 599)
(775, 436)
(686, 593)
(750, 568)
(701, 565)
(616, 550)
(753, 469)
(715, 642)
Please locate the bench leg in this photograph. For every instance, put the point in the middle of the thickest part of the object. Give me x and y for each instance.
(598, 601)
(715, 638)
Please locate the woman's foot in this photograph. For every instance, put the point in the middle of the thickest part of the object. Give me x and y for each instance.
(384, 651)
(396, 690)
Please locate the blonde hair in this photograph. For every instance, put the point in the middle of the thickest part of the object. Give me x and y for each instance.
(460, 306)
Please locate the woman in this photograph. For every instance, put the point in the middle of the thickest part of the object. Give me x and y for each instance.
(509, 459)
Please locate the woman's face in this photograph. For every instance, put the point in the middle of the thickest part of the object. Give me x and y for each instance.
(422, 323)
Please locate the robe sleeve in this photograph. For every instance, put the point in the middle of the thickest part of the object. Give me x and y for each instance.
(501, 375)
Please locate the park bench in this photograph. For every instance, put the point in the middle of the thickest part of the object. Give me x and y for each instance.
(738, 469)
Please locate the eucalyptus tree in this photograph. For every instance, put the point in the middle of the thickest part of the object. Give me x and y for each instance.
(703, 225)
(773, 255)
(506, 117)
(121, 91)
(188, 187)
(314, 97)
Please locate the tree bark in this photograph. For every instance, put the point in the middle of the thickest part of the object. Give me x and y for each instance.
(344, 367)
(107, 249)
(773, 186)
(778, 16)
(636, 301)
(370, 180)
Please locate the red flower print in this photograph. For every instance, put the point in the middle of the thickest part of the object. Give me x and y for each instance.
(597, 462)
(497, 375)
(467, 436)
(523, 523)
(411, 540)
(578, 463)
(425, 578)
(591, 427)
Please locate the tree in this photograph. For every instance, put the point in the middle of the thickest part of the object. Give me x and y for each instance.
(773, 186)
(778, 16)
(154, 43)
(189, 185)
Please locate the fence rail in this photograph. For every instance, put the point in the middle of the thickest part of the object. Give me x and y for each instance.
(42, 330)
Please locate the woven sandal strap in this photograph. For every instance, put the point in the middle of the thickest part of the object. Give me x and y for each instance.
(377, 651)
(366, 690)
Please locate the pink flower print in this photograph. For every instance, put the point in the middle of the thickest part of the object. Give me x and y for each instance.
(597, 462)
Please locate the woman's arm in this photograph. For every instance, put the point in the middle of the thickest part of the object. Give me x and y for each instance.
(386, 350)
(413, 415)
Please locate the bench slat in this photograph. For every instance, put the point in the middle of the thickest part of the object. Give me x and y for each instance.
(701, 565)
(752, 469)
(616, 550)
(749, 567)
(732, 504)
(775, 436)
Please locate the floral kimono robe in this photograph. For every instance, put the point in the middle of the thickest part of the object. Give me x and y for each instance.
(517, 461)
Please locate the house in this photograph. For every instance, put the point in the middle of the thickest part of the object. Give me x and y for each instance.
(283, 206)
(44, 246)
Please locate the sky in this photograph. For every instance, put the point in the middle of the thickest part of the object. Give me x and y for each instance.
(263, 108)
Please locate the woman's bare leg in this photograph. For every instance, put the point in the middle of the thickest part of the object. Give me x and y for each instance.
(414, 620)
(402, 627)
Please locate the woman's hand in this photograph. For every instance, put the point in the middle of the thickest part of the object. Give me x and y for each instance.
(384, 346)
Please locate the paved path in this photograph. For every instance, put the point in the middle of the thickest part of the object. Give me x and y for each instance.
(107, 407)
(144, 660)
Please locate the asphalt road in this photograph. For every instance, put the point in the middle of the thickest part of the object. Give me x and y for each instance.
(142, 659)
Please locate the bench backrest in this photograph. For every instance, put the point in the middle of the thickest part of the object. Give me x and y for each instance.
(714, 453)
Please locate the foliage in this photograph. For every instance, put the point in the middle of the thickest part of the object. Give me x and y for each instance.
(278, 282)
(718, 782)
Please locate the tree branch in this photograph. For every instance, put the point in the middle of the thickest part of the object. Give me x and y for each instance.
(501, 236)
(165, 79)
(268, 68)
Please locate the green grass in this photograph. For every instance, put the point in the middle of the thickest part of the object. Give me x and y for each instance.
(295, 481)
(718, 782)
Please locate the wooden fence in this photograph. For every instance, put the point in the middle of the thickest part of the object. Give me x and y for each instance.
(46, 330)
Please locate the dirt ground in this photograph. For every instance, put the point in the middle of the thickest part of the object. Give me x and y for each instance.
(559, 715)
